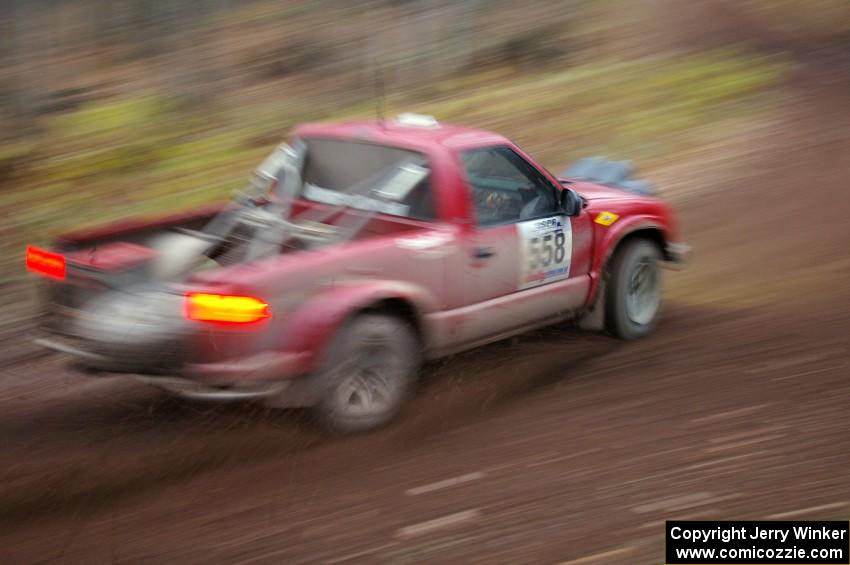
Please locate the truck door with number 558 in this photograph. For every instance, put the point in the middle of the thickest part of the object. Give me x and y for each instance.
(520, 249)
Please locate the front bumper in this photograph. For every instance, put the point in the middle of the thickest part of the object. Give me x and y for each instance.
(677, 255)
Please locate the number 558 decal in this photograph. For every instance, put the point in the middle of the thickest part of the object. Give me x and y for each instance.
(545, 250)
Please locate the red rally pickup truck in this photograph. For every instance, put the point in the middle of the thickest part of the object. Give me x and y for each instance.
(358, 251)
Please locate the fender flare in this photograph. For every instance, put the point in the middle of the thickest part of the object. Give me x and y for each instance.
(608, 239)
(313, 324)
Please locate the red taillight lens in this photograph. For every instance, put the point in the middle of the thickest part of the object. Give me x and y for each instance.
(225, 308)
(46, 263)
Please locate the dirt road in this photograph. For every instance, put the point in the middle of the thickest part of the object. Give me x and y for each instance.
(562, 446)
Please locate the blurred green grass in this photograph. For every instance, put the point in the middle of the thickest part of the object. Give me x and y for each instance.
(144, 156)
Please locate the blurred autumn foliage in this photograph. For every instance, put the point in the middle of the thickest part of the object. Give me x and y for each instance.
(113, 107)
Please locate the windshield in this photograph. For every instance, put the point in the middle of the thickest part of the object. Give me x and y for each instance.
(366, 176)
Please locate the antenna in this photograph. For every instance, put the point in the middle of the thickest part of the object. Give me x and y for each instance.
(379, 94)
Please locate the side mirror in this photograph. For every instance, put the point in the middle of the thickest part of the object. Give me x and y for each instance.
(570, 202)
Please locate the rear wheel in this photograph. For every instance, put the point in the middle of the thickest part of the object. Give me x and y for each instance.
(633, 299)
(368, 374)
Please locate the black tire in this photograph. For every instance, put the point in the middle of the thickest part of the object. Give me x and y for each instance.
(630, 314)
(368, 374)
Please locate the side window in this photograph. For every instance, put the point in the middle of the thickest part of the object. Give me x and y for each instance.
(505, 187)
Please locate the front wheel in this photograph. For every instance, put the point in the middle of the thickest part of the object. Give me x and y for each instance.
(368, 374)
(633, 298)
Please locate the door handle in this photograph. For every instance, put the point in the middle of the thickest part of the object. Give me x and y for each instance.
(484, 252)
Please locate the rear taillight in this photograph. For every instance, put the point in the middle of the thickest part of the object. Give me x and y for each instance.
(225, 309)
(45, 263)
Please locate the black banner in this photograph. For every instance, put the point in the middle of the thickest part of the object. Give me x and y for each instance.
(757, 543)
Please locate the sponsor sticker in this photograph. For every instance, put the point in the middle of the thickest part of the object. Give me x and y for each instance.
(546, 247)
(606, 218)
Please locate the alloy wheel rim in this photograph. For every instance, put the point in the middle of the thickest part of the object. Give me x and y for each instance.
(643, 295)
(367, 388)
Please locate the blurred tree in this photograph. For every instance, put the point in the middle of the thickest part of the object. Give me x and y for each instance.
(56, 54)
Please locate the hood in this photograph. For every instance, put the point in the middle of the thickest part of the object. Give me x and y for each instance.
(593, 191)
